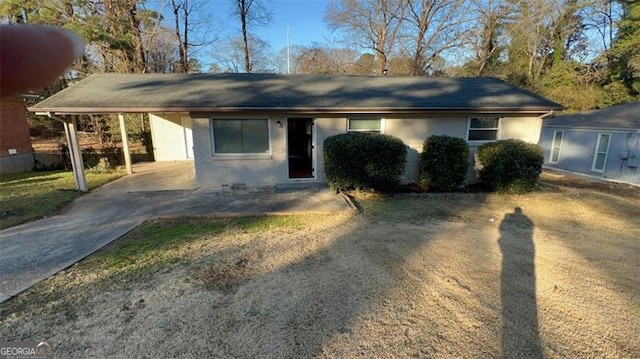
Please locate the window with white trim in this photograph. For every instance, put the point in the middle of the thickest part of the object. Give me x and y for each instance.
(556, 146)
(483, 128)
(600, 155)
(371, 125)
(235, 136)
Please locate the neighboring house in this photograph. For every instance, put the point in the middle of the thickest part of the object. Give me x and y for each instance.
(266, 129)
(16, 151)
(603, 143)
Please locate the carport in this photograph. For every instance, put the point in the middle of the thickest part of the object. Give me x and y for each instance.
(70, 124)
(69, 118)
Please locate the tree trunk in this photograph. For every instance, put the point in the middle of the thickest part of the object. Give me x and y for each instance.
(134, 24)
(183, 65)
(243, 9)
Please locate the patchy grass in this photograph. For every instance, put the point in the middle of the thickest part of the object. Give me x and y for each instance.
(416, 275)
(156, 246)
(28, 196)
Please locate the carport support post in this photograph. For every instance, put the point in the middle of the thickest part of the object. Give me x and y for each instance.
(75, 153)
(125, 144)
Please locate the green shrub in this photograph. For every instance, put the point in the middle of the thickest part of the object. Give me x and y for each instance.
(511, 166)
(359, 160)
(443, 163)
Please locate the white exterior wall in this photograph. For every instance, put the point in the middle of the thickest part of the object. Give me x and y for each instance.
(254, 170)
(326, 127)
(413, 132)
(524, 128)
(169, 133)
(271, 169)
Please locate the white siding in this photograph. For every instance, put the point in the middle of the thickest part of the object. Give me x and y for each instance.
(169, 133)
(413, 132)
(212, 171)
(524, 128)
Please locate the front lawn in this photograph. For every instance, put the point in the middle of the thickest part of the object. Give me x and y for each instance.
(549, 274)
(28, 196)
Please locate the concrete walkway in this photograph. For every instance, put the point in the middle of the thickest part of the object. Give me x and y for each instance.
(34, 251)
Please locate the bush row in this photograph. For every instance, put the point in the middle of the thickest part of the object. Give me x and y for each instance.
(376, 161)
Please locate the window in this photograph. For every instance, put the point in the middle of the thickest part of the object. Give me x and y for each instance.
(483, 128)
(373, 125)
(555, 146)
(240, 136)
(600, 156)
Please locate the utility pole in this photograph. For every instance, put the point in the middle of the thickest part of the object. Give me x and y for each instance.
(288, 51)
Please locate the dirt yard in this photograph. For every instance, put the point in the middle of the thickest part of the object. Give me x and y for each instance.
(552, 274)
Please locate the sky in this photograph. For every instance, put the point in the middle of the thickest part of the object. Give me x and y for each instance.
(303, 17)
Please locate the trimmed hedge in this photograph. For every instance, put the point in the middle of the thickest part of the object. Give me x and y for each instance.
(358, 160)
(512, 166)
(443, 163)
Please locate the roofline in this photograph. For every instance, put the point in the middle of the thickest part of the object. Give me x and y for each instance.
(594, 128)
(298, 110)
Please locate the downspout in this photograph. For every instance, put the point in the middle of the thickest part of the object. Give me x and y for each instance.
(74, 152)
(551, 112)
(540, 119)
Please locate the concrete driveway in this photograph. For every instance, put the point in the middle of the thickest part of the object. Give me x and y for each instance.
(34, 251)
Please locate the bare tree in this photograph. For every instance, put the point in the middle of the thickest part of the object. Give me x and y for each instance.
(162, 51)
(527, 29)
(487, 35)
(229, 55)
(326, 60)
(369, 24)
(250, 11)
(435, 26)
(285, 59)
(186, 18)
(602, 17)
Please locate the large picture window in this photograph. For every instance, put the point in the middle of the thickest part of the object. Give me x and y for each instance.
(240, 136)
(600, 155)
(371, 125)
(483, 128)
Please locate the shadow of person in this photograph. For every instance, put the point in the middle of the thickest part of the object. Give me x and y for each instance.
(520, 334)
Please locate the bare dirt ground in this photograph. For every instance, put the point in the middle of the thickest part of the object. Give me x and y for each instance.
(416, 275)
(570, 182)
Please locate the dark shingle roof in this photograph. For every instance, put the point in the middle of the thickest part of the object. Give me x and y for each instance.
(622, 117)
(269, 92)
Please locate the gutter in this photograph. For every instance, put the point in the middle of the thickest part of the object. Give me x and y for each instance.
(540, 121)
(287, 110)
(551, 112)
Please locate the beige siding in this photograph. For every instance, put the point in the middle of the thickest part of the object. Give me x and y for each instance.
(413, 132)
(326, 127)
(169, 133)
(524, 128)
(251, 170)
(215, 171)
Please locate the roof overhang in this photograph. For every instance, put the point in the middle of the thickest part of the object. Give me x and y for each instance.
(289, 110)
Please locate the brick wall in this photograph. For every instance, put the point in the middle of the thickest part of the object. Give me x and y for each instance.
(14, 131)
(271, 169)
(213, 171)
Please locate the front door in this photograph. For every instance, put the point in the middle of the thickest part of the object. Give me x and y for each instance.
(300, 147)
